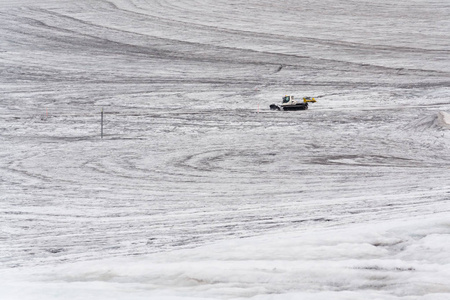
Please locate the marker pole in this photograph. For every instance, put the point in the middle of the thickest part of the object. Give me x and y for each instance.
(101, 124)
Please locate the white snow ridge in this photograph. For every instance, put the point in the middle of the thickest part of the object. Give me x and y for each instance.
(196, 189)
(444, 119)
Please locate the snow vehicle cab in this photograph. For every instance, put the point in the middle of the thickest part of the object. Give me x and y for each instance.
(289, 103)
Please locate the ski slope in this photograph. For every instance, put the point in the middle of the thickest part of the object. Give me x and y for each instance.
(197, 190)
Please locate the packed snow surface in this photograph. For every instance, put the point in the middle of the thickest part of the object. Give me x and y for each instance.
(197, 190)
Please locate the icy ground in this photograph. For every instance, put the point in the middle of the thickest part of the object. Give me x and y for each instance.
(197, 189)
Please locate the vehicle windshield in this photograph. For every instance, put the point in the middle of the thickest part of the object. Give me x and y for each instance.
(286, 99)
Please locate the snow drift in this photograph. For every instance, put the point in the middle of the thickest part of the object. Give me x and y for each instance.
(197, 189)
(402, 259)
(439, 121)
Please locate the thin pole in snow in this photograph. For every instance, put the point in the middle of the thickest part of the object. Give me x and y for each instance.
(102, 124)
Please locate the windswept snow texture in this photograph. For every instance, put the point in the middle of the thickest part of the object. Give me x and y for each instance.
(197, 189)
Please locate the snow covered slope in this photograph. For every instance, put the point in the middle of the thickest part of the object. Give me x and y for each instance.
(194, 165)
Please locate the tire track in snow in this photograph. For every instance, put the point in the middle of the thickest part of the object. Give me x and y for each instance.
(186, 159)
